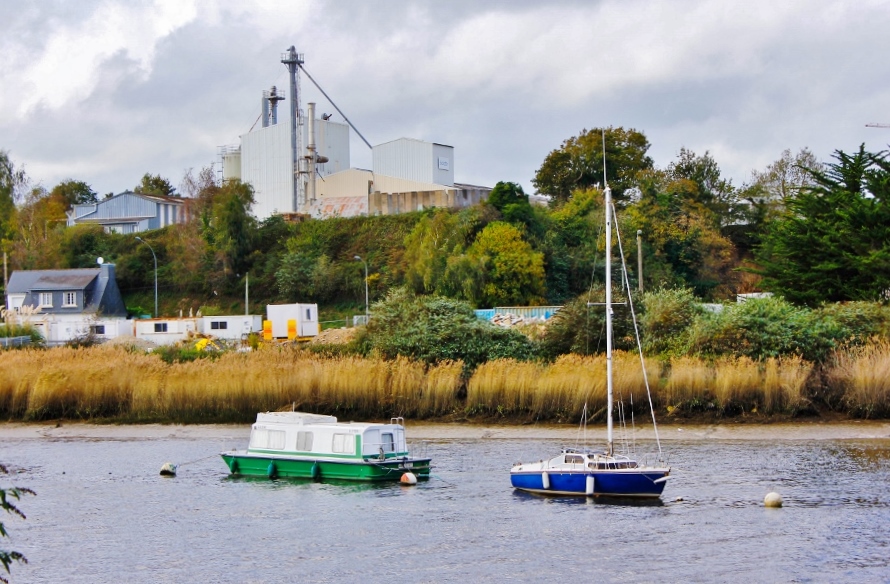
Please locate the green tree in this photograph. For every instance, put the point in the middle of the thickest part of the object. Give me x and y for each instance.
(712, 192)
(73, 192)
(684, 247)
(509, 270)
(512, 202)
(435, 239)
(232, 226)
(155, 184)
(578, 163)
(833, 241)
(8, 557)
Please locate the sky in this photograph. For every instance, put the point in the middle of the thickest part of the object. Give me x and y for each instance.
(106, 91)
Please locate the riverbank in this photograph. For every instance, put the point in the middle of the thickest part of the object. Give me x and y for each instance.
(846, 430)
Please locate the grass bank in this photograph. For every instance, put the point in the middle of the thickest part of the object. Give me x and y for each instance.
(126, 385)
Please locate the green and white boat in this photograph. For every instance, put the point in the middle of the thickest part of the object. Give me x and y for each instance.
(312, 446)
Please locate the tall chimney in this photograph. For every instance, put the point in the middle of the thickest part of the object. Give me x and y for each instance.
(310, 194)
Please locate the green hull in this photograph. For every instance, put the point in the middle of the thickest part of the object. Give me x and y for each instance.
(354, 469)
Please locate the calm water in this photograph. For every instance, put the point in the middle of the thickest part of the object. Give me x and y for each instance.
(103, 514)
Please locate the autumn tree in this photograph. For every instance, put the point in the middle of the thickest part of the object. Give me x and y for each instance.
(578, 163)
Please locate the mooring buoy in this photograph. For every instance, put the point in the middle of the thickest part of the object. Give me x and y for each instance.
(168, 470)
(772, 500)
(409, 478)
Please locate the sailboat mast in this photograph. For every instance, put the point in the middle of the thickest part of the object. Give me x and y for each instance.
(608, 206)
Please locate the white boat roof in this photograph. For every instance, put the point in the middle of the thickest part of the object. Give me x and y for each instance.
(306, 419)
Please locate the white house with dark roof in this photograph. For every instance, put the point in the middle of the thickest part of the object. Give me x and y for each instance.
(70, 303)
(130, 212)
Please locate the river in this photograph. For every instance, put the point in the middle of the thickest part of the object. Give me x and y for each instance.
(103, 514)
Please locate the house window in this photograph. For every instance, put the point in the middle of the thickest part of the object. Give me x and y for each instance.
(218, 325)
(97, 329)
(344, 443)
(160, 327)
(46, 299)
(70, 299)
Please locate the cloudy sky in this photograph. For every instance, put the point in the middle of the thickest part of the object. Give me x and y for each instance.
(105, 91)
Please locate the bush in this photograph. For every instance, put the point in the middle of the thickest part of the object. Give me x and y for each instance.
(666, 321)
(434, 329)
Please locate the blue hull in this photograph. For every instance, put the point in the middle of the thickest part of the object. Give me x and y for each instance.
(605, 484)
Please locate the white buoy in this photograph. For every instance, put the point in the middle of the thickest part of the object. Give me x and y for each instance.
(168, 470)
(409, 478)
(588, 485)
(545, 480)
(772, 500)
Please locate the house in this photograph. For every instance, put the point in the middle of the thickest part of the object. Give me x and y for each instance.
(70, 303)
(130, 212)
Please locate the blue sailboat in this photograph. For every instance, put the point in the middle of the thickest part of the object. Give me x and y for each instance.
(598, 473)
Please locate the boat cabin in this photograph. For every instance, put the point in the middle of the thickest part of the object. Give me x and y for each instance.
(298, 432)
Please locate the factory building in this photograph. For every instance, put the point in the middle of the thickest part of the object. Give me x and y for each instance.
(276, 159)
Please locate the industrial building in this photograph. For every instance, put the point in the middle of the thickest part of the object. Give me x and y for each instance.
(302, 166)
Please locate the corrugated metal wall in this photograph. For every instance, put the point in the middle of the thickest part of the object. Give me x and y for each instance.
(266, 164)
(331, 140)
(405, 158)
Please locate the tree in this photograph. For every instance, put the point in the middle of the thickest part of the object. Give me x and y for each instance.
(13, 182)
(578, 163)
(769, 190)
(509, 271)
(712, 192)
(154, 184)
(512, 202)
(232, 225)
(432, 241)
(73, 192)
(832, 243)
(8, 557)
(686, 248)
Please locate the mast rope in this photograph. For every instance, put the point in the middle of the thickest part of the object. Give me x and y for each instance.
(637, 332)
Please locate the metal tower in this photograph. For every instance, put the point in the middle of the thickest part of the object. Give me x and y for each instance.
(292, 60)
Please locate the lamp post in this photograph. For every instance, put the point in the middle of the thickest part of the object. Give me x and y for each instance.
(139, 239)
(359, 258)
(640, 258)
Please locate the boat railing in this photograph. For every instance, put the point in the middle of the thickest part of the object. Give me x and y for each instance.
(397, 421)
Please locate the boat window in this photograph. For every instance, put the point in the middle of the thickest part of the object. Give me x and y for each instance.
(271, 439)
(304, 441)
(387, 442)
(574, 459)
(344, 443)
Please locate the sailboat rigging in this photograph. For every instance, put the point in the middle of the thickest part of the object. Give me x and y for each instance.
(592, 473)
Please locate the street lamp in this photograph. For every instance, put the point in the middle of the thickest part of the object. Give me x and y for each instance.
(156, 272)
(640, 258)
(359, 258)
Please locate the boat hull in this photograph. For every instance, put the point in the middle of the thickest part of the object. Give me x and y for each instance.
(644, 483)
(320, 468)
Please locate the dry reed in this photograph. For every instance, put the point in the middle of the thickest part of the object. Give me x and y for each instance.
(690, 379)
(736, 382)
(864, 374)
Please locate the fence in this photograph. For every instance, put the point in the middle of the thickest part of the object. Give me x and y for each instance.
(10, 342)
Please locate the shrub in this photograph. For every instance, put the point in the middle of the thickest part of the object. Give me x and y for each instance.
(666, 320)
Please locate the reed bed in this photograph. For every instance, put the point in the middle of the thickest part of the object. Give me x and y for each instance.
(737, 382)
(441, 386)
(124, 384)
(504, 386)
(864, 375)
(690, 379)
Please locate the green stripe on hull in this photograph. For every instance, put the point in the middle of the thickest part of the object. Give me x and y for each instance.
(391, 470)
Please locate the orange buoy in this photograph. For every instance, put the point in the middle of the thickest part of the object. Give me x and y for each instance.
(408, 478)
